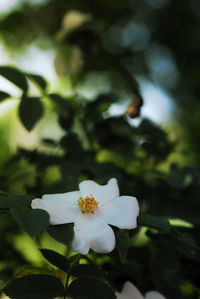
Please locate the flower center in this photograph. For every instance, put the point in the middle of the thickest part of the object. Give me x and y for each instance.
(87, 204)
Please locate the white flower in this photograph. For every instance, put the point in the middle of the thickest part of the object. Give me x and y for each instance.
(91, 210)
(129, 291)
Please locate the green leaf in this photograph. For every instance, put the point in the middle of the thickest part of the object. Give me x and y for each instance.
(185, 245)
(56, 259)
(10, 201)
(84, 270)
(39, 80)
(63, 233)
(30, 111)
(32, 221)
(23, 200)
(34, 286)
(86, 288)
(122, 243)
(4, 95)
(74, 258)
(14, 76)
(154, 222)
(61, 103)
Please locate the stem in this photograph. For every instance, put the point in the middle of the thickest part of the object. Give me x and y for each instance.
(67, 282)
(68, 275)
(68, 250)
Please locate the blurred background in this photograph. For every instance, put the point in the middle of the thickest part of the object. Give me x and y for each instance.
(98, 47)
(120, 94)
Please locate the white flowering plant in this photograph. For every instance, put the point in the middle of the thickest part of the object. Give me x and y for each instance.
(91, 210)
(92, 214)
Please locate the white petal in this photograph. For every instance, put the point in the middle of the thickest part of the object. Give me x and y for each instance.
(121, 212)
(129, 291)
(154, 295)
(91, 232)
(74, 195)
(101, 193)
(62, 208)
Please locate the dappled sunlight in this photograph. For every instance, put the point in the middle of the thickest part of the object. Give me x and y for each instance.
(99, 159)
(7, 6)
(158, 105)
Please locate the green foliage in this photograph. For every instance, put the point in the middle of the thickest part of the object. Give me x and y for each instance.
(179, 179)
(3, 95)
(83, 288)
(32, 221)
(39, 80)
(93, 147)
(122, 243)
(14, 76)
(154, 222)
(35, 286)
(65, 111)
(89, 271)
(56, 259)
(115, 42)
(9, 201)
(30, 111)
(4, 202)
(62, 233)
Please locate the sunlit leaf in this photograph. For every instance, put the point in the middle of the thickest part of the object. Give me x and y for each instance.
(39, 80)
(56, 259)
(15, 76)
(4, 95)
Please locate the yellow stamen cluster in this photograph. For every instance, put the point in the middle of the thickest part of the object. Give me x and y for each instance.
(87, 204)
